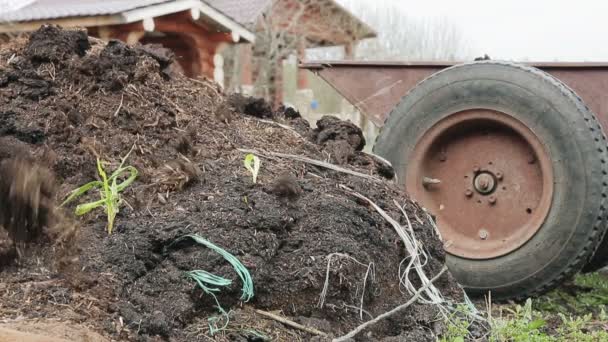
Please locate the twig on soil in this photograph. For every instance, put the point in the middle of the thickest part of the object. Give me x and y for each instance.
(392, 312)
(119, 106)
(313, 162)
(370, 270)
(381, 160)
(291, 323)
(44, 283)
(154, 124)
(344, 305)
(206, 84)
(270, 122)
(434, 226)
(178, 108)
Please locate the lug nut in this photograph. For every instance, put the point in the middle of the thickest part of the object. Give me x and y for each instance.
(483, 234)
(499, 175)
(468, 193)
(492, 200)
(484, 184)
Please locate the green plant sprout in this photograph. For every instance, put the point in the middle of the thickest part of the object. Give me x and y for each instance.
(109, 191)
(212, 284)
(252, 163)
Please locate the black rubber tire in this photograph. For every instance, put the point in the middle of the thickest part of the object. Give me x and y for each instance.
(599, 259)
(576, 146)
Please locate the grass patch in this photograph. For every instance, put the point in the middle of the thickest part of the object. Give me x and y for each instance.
(587, 293)
(457, 326)
(574, 312)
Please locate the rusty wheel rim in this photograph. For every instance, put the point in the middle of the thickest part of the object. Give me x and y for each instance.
(486, 177)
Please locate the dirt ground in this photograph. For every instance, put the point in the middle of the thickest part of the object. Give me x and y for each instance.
(66, 99)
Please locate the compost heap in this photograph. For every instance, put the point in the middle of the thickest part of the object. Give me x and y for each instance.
(67, 99)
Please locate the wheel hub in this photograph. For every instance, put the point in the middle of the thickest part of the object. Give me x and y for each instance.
(495, 182)
(484, 183)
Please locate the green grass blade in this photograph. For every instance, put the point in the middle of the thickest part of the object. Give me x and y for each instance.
(113, 205)
(106, 196)
(81, 191)
(82, 209)
(132, 176)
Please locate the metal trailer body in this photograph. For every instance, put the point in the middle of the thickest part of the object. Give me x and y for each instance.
(375, 88)
(500, 163)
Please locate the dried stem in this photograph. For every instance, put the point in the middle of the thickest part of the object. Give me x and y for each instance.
(389, 313)
(291, 323)
(313, 162)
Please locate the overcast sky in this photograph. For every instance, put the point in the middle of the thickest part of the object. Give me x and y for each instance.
(541, 30)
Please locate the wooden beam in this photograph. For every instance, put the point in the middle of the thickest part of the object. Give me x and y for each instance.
(128, 33)
(302, 73)
(180, 22)
(148, 24)
(245, 52)
(349, 50)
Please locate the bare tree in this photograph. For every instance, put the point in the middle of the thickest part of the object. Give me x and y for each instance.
(287, 26)
(275, 41)
(401, 37)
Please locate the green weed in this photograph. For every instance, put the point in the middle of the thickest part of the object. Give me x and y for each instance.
(457, 325)
(110, 198)
(252, 163)
(588, 293)
(521, 324)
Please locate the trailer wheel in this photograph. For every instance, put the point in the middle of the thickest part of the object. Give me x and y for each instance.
(521, 164)
(600, 259)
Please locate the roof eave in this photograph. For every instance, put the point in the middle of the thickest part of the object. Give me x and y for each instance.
(239, 32)
(81, 21)
(369, 32)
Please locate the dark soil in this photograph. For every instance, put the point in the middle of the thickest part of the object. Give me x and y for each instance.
(339, 138)
(251, 106)
(68, 107)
